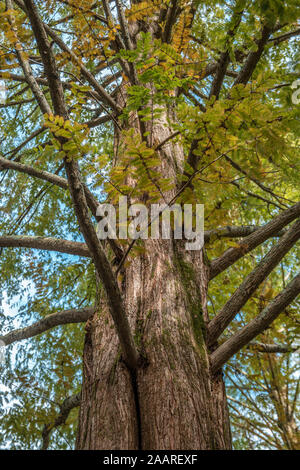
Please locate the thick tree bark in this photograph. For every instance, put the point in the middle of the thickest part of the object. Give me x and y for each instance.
(172, 401)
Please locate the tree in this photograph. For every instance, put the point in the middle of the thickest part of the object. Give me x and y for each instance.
(262, 381)
(163, 102)
(264, 412)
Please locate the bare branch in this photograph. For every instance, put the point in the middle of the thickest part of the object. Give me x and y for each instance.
(20, 78)
(256, 326)
(252, 281)
(47, 323)
(45, 243)
(47, 176)
(29, 170)
(255, 239)
(98, 121)
(233, 232)
(14, 152)
(124, 25)
(44, 82)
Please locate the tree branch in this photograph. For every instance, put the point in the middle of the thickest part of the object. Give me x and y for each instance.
(65, 408)
(89, 77)
(225, 58)
(171, 16)
(30, 79)
(14, 152)
(252, 178)
(257, 196)
(166, 140)
(47, 323)
(45, 243)
(100, 260)
(285, 37)
(256, 326)
(271, 348)
(124, 25)
(255, 239)
(63, 183)
(80, 249)
(252, 281)
(29, 170)
(98, 121)
(253, 57)
(20, 78)
(233, 232)
(44, 82)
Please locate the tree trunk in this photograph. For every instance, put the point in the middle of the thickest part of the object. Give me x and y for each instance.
(171, 402)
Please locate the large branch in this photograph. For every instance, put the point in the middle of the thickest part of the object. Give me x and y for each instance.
(253, 58)
(47, 323)
(225, 56)
(171, 16)
(252, 241)
(45, 243)
(252, 281)
(29, 170)
(21, 78)
(81, 249)
(65, 408)
(256, 326)
(102, 265)
(232, 231)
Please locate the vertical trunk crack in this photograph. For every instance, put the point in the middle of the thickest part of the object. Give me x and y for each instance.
(133, 375)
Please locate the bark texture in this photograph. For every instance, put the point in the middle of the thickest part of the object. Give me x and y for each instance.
(172, 401)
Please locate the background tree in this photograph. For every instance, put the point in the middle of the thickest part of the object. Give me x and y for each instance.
(264, 404)
(162, 102)
(262, 380)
